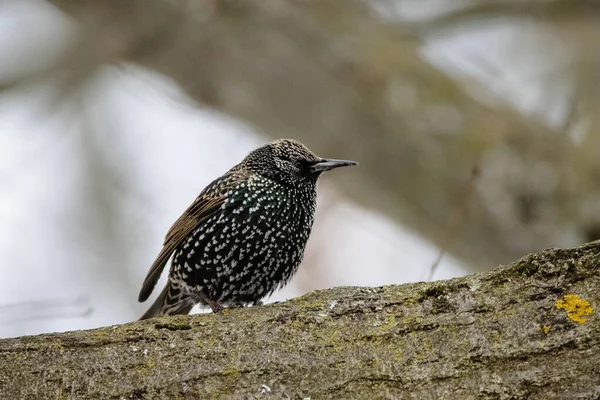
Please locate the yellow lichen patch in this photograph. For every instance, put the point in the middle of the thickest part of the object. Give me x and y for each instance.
(545, 328)
(577, 307)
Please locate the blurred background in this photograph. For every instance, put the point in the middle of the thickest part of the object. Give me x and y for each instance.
(475, 123)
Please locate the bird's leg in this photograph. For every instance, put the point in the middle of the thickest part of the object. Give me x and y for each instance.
(215, 306)
(257, 303)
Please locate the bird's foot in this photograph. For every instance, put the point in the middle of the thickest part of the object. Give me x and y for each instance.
(215, 307)
(257, 303)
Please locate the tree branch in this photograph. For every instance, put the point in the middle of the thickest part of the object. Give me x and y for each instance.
(500, 334)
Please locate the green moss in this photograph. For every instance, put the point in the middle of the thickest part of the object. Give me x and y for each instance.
(526, 269)
(427, 344)
(411, 301)
(335, 342)
(61, 395)
(390, 323)
(482, 308)
(173, 326)
(33, 347)
(231, 370)
(101, 336)
(442, 305)
(206, 342)
(145, 369)
(312, 304)
(408, 319)
(437, 294)
(310, 300)
(329, 341)
(398, 354)
(433, 291)
(176, 396)
(232, 376)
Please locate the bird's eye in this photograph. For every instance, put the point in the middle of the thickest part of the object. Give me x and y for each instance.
(299, 163)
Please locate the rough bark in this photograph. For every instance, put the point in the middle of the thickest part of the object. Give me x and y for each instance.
(493, 335)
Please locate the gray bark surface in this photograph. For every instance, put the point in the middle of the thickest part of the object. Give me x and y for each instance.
(492, 335)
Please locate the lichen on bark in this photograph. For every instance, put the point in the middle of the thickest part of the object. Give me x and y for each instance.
(491, 335)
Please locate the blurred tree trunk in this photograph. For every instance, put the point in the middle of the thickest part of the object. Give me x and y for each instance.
(507, 333)
(349, 84)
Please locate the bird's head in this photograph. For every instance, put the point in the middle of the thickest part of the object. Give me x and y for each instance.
(290, 160)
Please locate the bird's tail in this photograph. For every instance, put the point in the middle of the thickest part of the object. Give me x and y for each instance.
(171, 301)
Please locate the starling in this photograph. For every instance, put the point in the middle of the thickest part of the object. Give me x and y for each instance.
(244, 235)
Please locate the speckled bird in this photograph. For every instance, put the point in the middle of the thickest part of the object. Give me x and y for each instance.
(244, 235)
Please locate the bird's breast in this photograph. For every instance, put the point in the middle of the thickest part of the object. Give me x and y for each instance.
(253, 245)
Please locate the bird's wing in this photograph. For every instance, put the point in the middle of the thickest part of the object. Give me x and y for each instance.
(206, 204)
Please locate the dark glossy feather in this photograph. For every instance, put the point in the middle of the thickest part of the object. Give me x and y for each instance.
(206, 204)
(244, 235)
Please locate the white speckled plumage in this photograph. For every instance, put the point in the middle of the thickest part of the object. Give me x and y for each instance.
(245, 234)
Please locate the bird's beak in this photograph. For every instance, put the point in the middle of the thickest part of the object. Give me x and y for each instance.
(325, 164)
